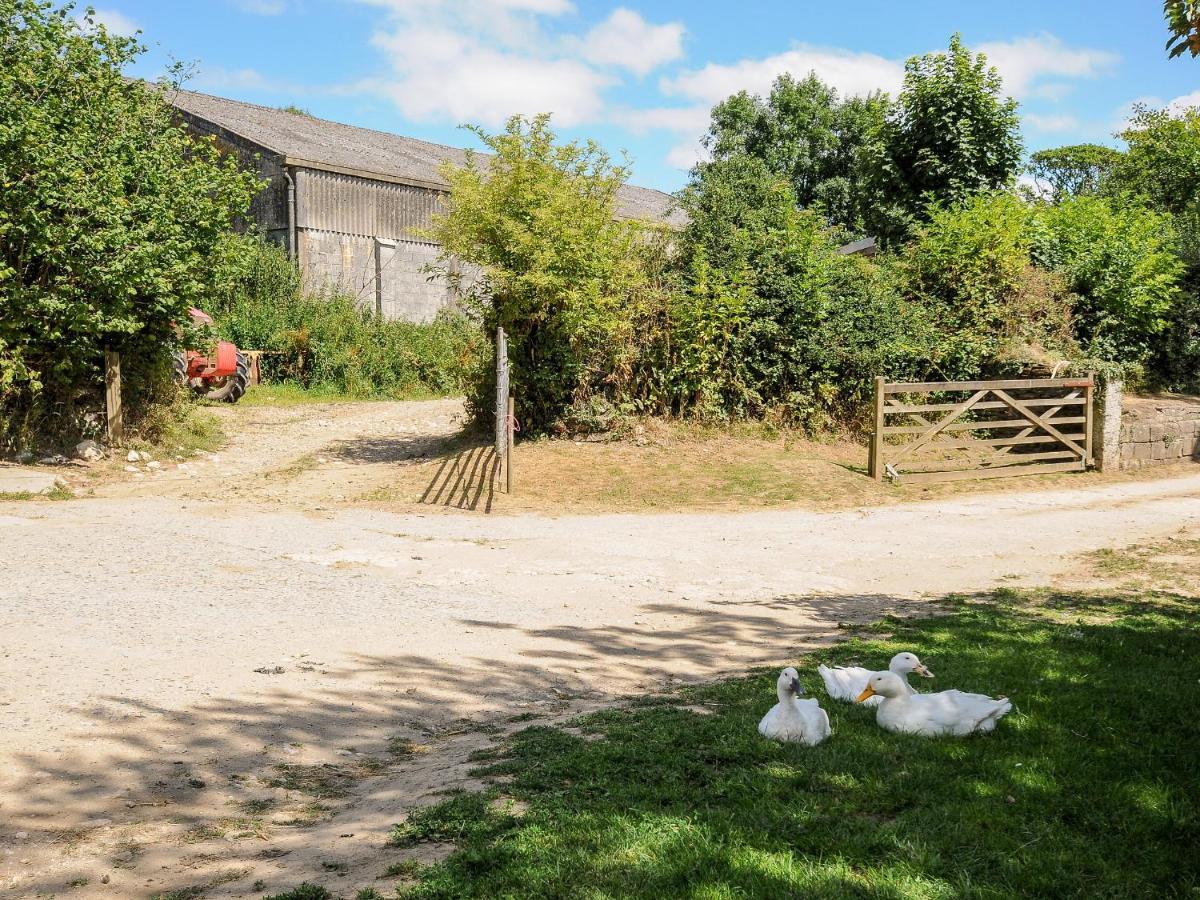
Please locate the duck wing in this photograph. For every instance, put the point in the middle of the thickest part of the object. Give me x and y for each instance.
(847, 682)
(816, 721)
(958, 712)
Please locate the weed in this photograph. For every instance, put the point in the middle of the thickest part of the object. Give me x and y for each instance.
(404, 868)
(306, 891)
(321, 781)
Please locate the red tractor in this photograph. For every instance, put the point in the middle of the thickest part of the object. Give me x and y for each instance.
(224, 376)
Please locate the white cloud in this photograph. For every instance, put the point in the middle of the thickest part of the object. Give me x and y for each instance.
(217, 78)
(1023, 62)
(1186, 101)
(691, 119)
(686, 154)
(261, 7)
(485, 60)
(442, 73)
(1050, 122)
(627, 40)
(851, 72)
(114, 20)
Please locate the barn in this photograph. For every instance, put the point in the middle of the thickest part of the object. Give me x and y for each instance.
(349, 203)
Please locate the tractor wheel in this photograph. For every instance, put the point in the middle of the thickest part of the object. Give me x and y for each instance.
(231, 387)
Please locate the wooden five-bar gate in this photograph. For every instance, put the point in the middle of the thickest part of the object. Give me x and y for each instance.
(953, 430)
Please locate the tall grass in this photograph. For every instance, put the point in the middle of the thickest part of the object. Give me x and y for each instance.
(326, 340)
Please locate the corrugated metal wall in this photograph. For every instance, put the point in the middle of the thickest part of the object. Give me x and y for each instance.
(358, 206)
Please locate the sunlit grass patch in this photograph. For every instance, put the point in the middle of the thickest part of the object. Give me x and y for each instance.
(1089, 788)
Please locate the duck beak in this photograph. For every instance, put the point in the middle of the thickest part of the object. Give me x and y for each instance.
(796, 686)
(865, 695)
(923, 671)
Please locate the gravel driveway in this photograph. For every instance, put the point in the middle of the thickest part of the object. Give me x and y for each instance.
(179, 662)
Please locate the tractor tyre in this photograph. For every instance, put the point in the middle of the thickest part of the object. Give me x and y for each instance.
(231, 387)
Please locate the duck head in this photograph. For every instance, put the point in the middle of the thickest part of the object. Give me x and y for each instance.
(788, 685)
(903, 663)
(885, 684)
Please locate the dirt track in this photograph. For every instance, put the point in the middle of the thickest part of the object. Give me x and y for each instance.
(176, 650)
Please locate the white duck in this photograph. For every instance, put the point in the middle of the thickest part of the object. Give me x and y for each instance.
(930, 715)
(792, 719)
(847, 682)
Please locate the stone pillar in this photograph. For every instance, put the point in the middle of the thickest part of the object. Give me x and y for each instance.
(1107, 425)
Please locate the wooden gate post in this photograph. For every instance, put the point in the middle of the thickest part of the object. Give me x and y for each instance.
(1089, 459)
(112, 397)
(875, 460)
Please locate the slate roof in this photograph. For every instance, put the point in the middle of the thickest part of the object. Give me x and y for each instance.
(321, 143)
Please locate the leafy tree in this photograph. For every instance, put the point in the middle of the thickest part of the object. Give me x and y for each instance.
(951, 134)
(1120, 258)
(805, 134)
(1073, 170)
(546, 259)
(1183, 20)
(111, 213)
(1162, 164)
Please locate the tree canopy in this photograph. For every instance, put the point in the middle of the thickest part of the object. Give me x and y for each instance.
(804, 133)
(1070, 171)
(1183, 20)
(952, 133)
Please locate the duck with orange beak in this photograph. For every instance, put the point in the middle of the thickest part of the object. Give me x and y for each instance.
(931, 715)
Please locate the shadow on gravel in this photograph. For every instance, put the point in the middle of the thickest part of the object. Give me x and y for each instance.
(285, 753)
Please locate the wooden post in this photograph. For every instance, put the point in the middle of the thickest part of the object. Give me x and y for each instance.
(112, 397)
(510, 425)
(1089, 395)
(875, 461)
(254, 357)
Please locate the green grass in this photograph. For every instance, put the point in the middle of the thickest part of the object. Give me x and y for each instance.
(289, 393)
(58, 492)
(1089, 788)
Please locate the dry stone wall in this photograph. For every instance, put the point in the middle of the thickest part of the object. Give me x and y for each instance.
(1156, 431)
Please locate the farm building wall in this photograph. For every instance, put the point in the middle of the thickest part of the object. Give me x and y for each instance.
(268, 209)
(384, 275)
(364, 237)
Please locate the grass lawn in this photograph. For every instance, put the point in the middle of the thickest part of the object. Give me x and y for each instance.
(680, 466)
(1089, 788)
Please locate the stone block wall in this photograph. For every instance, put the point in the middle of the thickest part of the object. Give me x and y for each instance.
(1156, 431)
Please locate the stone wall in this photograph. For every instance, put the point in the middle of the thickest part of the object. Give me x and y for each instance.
(1156, 431)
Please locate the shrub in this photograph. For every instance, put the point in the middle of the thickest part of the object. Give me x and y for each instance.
(548, 261)
(969, 268)
(1120, 258)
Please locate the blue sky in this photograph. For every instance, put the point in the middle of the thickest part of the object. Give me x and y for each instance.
(641, 76)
